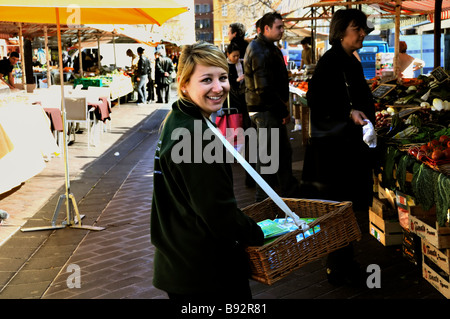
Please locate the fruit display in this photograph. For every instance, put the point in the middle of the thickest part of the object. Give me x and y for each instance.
(301, 85)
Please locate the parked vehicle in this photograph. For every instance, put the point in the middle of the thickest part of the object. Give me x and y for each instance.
(368, 54)
(295, 55)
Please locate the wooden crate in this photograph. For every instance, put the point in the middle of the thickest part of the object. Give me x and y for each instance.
(384, 193)
(440, 257)
(387, 232)
(438, 279)
(383, 208)
(423, 223)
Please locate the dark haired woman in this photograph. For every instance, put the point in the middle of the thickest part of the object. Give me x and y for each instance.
(337, 162)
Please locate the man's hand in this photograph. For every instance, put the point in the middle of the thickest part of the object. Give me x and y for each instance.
(287, 120)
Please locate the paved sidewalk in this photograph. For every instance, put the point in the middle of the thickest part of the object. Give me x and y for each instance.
(30, 261)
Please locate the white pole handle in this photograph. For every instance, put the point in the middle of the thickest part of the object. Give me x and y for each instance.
(258, 179)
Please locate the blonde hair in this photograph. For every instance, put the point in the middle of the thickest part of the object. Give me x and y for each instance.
(203, 53)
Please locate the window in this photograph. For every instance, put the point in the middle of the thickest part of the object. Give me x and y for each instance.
(224, 10)
(224, 30)
(206, 8)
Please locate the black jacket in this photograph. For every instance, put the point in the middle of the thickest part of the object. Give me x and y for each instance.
(328, 98)
(338, 164)
(196, 226)
(266, 78)
(144, 66)
(163, 64)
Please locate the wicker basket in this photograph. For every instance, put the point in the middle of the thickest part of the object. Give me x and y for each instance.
(273, 261)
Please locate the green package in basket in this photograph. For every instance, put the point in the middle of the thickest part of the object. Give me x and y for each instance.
(272, 229)
(280, 226)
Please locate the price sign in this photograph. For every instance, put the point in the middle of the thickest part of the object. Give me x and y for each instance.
(439, 74)
(383, 89)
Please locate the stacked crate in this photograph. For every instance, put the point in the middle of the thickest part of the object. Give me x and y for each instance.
(383, 219)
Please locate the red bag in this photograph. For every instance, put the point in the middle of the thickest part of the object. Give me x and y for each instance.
(232, 121)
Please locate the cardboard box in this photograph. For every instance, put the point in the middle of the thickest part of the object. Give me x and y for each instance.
(387, 232)
(436, 278)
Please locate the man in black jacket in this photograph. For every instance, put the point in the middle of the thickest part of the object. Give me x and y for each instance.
(267, 98)
(141, 76)
(163, 70)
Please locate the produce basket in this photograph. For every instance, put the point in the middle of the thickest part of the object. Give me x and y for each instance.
(275, 260)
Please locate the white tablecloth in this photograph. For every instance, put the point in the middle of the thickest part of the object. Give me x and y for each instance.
(28, 128)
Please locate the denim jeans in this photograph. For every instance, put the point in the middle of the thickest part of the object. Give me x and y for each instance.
(142, 89)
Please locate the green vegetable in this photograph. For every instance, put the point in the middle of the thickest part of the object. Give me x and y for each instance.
(392, 154)
(424, 186)
(442, 199)
(405, 163)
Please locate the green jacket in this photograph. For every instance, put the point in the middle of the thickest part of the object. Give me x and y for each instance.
(197, 229)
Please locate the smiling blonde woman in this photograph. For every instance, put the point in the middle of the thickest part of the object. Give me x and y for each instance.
(199, 232)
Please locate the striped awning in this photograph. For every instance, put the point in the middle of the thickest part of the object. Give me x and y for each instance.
(408, 7)
(414, 7)
(444, 15)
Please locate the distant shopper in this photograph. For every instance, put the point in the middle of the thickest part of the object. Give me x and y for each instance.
(198, 230)
(408, 64)
(151, 82)
(134, 59)
(6, 68)
(306, 53)
(163, 76)
(236, 34)
(142, 71)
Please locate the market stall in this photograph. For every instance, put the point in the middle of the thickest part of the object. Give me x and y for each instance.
(26, 141)
(118, 82)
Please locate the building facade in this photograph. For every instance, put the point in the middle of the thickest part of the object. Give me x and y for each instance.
(204, 20)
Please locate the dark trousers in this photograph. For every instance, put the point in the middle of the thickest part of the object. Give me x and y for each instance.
(279, 150)
(150, 90)
(162, 90)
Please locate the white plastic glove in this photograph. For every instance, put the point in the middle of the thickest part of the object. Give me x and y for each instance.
(369, 134)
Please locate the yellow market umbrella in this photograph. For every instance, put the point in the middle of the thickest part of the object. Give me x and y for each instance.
(85, 12)
(91, 11)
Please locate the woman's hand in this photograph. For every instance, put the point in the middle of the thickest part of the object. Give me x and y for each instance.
(358, 117)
